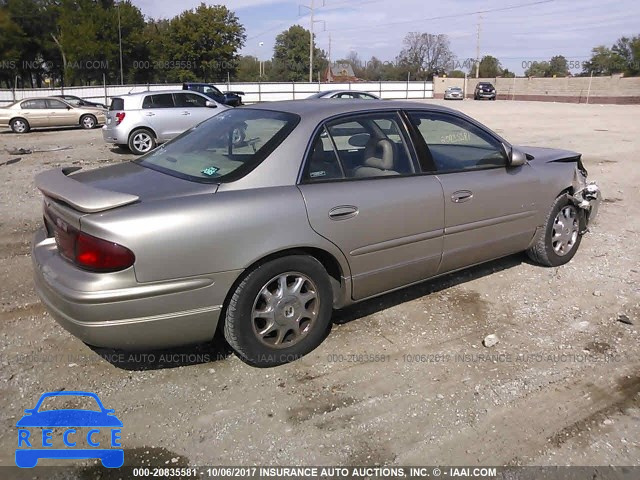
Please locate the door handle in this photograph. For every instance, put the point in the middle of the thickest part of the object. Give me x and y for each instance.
(150, 114)
(343, 212)
(461, 196)
(185, 113)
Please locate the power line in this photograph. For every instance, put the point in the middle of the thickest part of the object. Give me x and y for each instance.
(442, 17)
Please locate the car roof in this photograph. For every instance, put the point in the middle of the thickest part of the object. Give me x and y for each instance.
(152, 92)
(319, 107)
(50, 97)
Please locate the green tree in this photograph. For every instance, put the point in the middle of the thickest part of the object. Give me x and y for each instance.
(204, 43)
(11, 40)
(506, 73)
(248, 69)
(489, 67)
(538, 69)
(291, 56)
(628, 50)
(604, 61)
(558, 66)
(456, 74)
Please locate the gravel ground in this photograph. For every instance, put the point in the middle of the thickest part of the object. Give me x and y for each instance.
(561, 386)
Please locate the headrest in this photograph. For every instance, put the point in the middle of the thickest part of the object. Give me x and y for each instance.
(382, 155)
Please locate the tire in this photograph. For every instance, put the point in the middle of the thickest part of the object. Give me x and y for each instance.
(141, 141)
(558, 241)
(268, 342)
(88, 122)
(19, 125)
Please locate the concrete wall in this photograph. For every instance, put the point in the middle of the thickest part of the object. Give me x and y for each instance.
(613, 89)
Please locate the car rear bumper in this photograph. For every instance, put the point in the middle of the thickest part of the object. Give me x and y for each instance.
(112, 134)
(142, 316)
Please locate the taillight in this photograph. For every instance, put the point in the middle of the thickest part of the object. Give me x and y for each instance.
(89, 252)
(120, 117)
(101, 255)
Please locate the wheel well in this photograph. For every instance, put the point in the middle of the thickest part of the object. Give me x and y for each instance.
(19, 118)
(327, 260)
(150, 130)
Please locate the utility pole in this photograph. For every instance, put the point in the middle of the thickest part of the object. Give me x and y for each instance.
(120, 41)
(312, 9)
(478, 48)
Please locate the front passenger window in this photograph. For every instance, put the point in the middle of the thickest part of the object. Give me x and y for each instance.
(455, 144)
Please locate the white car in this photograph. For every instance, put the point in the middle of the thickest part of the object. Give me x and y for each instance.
(454, 93)
(141, 121)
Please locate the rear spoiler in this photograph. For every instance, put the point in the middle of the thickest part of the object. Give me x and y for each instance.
(59, 185)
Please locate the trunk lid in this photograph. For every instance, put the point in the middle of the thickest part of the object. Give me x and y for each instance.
(114, 186)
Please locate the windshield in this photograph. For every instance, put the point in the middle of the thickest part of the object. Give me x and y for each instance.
(223, 148)
(208, 89)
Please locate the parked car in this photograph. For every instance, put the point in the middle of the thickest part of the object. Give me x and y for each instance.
(453, 93)
(325, 204)
(141, 121)
(80, 102)
(30, 113)
(233, 99)
(344, 94)
(484, 90)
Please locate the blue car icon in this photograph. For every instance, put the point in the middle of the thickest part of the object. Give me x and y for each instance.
(28, 452)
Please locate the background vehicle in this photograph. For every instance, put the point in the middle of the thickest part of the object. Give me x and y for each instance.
(454, 93)
(344, 94)
(484, 90)
(233, 99)
(323, 205)
(30, 113)
(140, 121)
(80, 102)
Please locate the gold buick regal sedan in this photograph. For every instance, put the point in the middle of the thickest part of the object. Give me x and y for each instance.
(30, 113)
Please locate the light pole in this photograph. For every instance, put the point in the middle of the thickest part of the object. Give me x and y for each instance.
(260, 60)
(120, 42)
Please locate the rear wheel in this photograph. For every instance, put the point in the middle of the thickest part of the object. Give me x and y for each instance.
(280, 311)
(141, 141)
(558, 242)
(88, 122)
(19, 125)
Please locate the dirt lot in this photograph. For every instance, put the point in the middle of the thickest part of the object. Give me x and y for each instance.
(562, 386)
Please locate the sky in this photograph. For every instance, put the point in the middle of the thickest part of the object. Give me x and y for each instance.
(516, 36)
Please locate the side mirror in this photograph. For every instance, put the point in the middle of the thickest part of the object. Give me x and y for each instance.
(516, 158)
(211, 104)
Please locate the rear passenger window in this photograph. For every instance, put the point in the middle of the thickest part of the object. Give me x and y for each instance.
(323, 163)
(162, 100)
(33, 104)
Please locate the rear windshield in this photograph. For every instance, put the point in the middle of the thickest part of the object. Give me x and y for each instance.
(117, 104)
(223, 148)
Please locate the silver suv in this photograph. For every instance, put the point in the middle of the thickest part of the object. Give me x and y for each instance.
(140, 121)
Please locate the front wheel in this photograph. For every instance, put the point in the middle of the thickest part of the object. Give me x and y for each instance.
(558, 241)
(280, 311)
